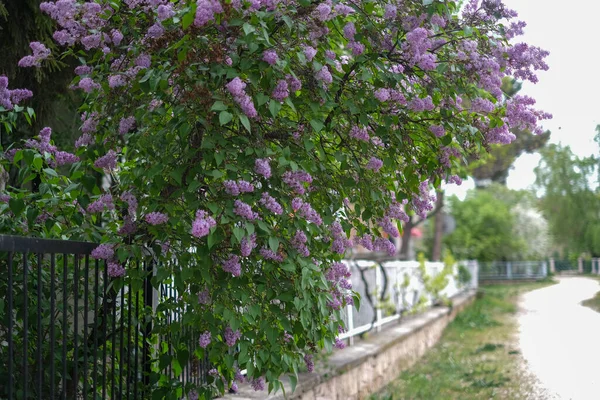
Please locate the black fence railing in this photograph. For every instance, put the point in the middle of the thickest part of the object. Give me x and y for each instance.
(69, 331)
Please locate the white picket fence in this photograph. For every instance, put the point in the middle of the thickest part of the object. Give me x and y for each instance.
(397, 299)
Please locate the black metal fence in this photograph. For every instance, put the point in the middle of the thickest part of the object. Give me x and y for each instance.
(69, 331)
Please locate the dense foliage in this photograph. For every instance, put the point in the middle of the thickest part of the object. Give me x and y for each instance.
(570, 200)
(497, 223)
(255, 142)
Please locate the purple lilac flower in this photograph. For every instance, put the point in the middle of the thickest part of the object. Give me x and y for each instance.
(83, 70)
(107, 161)
(245, 186)
(262, 167)
(116, 81)
(382, 94)
(206, 10)
(165, 12)
(296, 179)
(259, 384)
(126, 125)
(143, 61)
(202, 224)
(390, 12)
(480, 105)
(84, 140)
(310, 214)
(64, 158)
(269, 254)
(383, 244)
(374, 164)
(281, 91)
(231, 188)
(308, 360)
(287, 337)
(244, 210)
(343, 10)
(156, 218)
(88, 85)
(40, 53)
(389, 226)
(323, 11)
(232, 265)
(231, 337)
(293, 82)
(310, 52)
(339, 344)
(156, 31)
(236, 88)
(437, 130)
(204, 297)
(299, 243)
(270, 57)
(105, 201)
(238, 376)
(455, 179)
(349, 31)
(438, 20)
(330, 54)
(247, 245)
(193, 395)
(366, 241)
(297, 203)
(423, 202)
(204, 339)
(131, 201)
(104, 252)
(115, 270)
(359, 133)
(271, 204)
(324, 76)
(128, 227)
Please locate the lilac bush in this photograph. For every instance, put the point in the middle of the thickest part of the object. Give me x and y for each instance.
(296, 128)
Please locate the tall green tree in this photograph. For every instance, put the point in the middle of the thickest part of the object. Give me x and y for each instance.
(497, 223)
(571, 201)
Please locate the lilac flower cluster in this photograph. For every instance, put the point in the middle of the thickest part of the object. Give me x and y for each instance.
(232, 265)
(308, 361)
(416, 48)
(235, 188)
(389, 226)
(236, 88)
(204, 340)
(324, 76)
(43, 144)
(131, 201)
(339, 344)
(374, 164)
(247, 245)
(437, 130)
(40, 53)
(262, 167)
(296, 180)
(298, 242)
(126, 125)
(271, 204)
(306, 211)
(8, 98)
(204, 297)
(423, 202)
(384, 245)
(107, 161)
(231, 337)
(340, 240)
(281, 91)
(269, 254)
(103, 252)
(244, 210)
(156, 218)
(205, 11)
(202, 224)
(359, 133)
(103, 202)
(417, 104)
(259, 383)
(115, 269)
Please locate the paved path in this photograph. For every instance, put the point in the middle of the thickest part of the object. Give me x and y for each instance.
(560, 339)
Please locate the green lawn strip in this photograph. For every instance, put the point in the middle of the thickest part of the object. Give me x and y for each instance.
(477, 357)
(593, 303)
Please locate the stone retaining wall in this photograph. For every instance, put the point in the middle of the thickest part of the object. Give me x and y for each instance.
(365, 368)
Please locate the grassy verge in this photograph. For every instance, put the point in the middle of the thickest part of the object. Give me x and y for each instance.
(477, 358)
(593, 303)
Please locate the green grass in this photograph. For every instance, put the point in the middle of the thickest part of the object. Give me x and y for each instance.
(477, 357)
(593, 303)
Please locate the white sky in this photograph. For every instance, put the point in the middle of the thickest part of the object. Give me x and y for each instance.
(570, 89)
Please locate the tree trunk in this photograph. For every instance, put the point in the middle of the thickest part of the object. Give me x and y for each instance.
(405, 247)
(439, 228)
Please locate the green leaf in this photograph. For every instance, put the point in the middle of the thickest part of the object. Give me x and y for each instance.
(293, 382)
(188, 19)
(248, 29)
(274, 107)
(225, 117)
(37, 162)
(219, 157)
(246, 122)
(274, 243)
(218, 106)
(317, 125)
(238, 233)
(427, 2)
(16, 206)
(51, 172)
